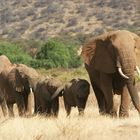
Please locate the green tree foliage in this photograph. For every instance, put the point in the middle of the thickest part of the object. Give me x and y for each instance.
(14, 52)
(56, 53)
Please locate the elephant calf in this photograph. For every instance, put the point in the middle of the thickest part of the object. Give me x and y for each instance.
(75, 93)
(43, 93)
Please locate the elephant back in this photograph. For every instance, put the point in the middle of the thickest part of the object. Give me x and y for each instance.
(53, 84)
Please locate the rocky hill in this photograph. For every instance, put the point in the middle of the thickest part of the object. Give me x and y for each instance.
(41, 19)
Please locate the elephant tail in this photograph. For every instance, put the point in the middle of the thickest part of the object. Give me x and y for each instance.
(58, 92)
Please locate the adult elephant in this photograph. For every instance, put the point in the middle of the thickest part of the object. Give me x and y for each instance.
(20, 82)
(110, 62)
(5, 67)
(75, 93)
(44, 90)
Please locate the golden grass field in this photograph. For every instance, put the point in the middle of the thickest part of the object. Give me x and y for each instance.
(91, 126)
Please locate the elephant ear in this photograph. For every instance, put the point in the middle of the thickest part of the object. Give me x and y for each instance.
(18, 81)
(88, 51)
(98, 53)
(137, 47)
(14, 79)
(29, 73)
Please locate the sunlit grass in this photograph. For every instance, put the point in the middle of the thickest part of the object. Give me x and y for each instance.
(91, 126)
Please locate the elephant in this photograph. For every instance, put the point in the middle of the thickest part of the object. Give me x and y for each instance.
(20, 82)
(43, 92)
(75, 94)
(110, 60)
(5, 67)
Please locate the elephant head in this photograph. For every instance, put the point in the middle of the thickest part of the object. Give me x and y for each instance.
(23, 75)
(21, 80)
(114, 52)
(75, 93)
(5, 63)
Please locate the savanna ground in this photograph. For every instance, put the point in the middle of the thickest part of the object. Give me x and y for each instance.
(89, 127)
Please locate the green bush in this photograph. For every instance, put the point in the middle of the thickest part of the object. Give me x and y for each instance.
(14, 52)
(56, 53)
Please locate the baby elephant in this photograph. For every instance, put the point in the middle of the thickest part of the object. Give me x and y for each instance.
(43, 93)
(75, 93)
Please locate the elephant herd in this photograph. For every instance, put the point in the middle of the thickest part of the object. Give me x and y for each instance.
(110, 60)
(17, 81)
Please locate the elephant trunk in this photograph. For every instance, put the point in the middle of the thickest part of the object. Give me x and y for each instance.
(126, 61)
(134, 94)
(57, 92)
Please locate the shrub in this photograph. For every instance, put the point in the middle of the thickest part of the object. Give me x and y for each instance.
(14, 52)
(57, 54)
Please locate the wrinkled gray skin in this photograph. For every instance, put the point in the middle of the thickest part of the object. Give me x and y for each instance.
(43, 92)
(75, 94)
(19, 81)
(103, 56)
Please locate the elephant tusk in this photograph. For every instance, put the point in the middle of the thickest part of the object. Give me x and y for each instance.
(122, 74)
(31, 90)
(138, 70)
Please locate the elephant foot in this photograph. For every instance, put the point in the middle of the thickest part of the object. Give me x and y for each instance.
(81, 113)
(102, 113)
(123, 115)
(113, 114)
(22, 114)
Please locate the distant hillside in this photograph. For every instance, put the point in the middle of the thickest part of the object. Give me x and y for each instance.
(42, 19)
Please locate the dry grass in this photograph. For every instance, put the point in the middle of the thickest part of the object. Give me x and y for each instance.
(91, 126)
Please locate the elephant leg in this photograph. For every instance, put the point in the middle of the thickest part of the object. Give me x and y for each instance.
(10, 109)
(81, 111)
(43, 106)
(106, 86)
(100, 99)
(55, 107)
(115, 106)
(68, 109)
(4, 107)
(125, 103)
(81, 104)
(20, 104)
(25, 97)
(48, 108)
(37, 106)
